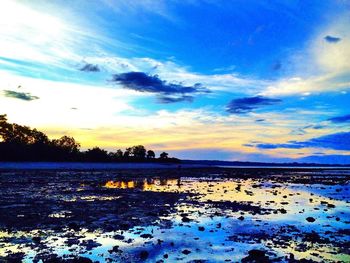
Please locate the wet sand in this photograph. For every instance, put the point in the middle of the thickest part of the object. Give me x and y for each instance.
(184, 215)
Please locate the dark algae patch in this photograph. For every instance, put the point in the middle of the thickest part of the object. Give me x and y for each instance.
(185, 215)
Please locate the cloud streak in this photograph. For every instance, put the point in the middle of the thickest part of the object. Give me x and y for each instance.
(90, 68)
(340, 119)
(249, 104)
(20, 95)
(335, 141)
(167, 92)
(331, 39)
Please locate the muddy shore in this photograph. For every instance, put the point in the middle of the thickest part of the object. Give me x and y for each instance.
(166, 215)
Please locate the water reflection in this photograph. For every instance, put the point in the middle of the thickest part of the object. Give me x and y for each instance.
(214, 219)
(147, 184)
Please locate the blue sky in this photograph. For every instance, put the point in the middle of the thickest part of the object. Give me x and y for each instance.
(232, 80)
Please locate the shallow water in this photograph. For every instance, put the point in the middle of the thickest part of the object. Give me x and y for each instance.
(209, 216)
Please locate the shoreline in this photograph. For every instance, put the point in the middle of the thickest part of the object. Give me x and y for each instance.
(92, 166)
(137, 165)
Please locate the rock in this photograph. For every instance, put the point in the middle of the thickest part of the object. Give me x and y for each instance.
(82, 260)
(90, 244)
(186, 252)
(36, 239)
(201, 228)
(115, 249)
(283, 211)
(74, 226)
(144, 255)
(118, 237)
(255, 255)
(310, 219)
(146, 236)
(14, 257)
(186, 219)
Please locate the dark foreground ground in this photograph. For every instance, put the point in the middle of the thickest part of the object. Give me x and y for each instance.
(185, 215)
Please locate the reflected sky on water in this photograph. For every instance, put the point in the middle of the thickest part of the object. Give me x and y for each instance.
(220, 219)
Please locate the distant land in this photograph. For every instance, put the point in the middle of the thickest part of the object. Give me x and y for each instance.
(262, 164)
(146, 165)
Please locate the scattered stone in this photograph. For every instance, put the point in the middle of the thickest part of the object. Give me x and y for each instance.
(186, 252)
(185, 219)
(144, 255)
(146, 236)
(255, 255)
(310, 219)
(118, 237)
(283, 211)
(36, 239)
(73, 226)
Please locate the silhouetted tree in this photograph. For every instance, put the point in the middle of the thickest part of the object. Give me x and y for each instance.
(15, 133)
(127, 152)
(164, 155)
(119, 153)
(39, 137)
(150, 154)
(67, 143)
(21, 143)
(112, 156)
(96, 154)
(4, 126)
(138, 151)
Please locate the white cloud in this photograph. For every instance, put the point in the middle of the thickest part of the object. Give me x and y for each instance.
(301, 85)
(322, 67)
(93, 105)
(334, 57)
(28, 35)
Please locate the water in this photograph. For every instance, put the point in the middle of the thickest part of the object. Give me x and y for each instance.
(210, 214)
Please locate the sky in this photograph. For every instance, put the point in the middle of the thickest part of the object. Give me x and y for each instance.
(265, 81)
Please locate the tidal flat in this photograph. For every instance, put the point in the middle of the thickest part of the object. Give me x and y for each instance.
(175, 215)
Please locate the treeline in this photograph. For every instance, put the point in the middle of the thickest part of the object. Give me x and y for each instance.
(21, 143)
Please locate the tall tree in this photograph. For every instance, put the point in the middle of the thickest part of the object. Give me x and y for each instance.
(164, 155)
(150, 154)
(67, 144)
(138, 151)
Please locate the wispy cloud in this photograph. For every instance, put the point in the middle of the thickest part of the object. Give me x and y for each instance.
(20, 95)
(169, 99)
(336, 141)
(90, 68)
(248, 104)
(322, 66)
(60, 40)
(307, 85)
(123, 7)
(96, 104)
